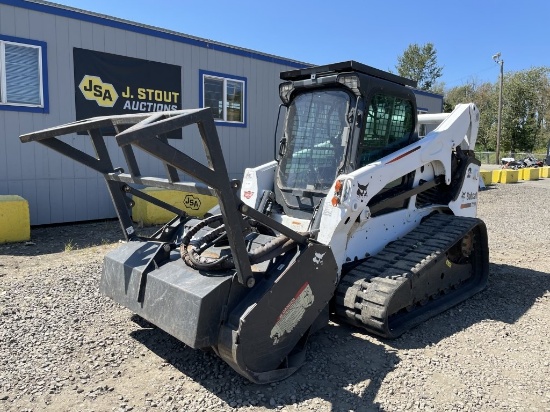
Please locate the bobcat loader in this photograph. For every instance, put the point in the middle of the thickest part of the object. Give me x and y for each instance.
(357, 220)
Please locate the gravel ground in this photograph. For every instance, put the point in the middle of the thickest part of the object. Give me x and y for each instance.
(63, 347)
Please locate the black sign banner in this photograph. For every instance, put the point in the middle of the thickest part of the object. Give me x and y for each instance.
(107, 84)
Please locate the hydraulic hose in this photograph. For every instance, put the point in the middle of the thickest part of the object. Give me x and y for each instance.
(191, 249)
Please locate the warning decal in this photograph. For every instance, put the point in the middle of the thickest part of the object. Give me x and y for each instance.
(292, 313)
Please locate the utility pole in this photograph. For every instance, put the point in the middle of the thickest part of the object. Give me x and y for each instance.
(498, 60)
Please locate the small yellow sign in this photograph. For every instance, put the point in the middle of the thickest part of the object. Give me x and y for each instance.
(93, 88)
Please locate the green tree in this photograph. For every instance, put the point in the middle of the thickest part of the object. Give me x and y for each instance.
(486, 99)
(459, 94)
(526, 96)
(420, 63)
(525, 110)
(485, 96)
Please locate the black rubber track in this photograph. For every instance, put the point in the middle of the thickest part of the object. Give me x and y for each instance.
(416, 277)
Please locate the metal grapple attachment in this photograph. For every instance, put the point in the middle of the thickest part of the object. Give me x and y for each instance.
(256, 308)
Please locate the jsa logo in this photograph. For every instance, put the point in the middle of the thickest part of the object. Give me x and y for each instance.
(93, 88)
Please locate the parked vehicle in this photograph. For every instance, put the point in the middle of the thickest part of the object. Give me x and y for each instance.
(528, 161)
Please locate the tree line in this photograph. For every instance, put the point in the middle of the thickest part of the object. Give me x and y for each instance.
(525, 100)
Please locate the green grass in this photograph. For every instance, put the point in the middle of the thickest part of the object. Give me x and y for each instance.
(70, 245)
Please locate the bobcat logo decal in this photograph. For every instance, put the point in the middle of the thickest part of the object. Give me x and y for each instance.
(318, 259)
(362, 190)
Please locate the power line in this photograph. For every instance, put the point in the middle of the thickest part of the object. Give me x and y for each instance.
(461, 79)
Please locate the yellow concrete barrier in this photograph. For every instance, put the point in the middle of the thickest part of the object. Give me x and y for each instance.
(509, 176)
(520, 176)
(545, 171)
(495, 176)
(192, 203)
(531, 173)
(15, 223)
(486, 176)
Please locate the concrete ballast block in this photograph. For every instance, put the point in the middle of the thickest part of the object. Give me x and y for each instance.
(15, 223)
(530, 173)
(545, 171)
(486, 175)
(495, 177)
(509, 176)
(191, 203)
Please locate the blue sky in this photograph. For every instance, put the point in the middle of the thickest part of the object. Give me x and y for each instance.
(466, 33)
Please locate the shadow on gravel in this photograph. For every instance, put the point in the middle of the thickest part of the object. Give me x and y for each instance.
(59, 238)
(336, 360)
(339, 357)
(66, 237)
(510, 293)
(488, 188)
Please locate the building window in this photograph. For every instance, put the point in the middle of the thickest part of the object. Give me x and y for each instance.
(422, 127)
(226, 96)
(22, 79)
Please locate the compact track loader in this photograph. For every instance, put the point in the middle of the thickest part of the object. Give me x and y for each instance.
(357, 219)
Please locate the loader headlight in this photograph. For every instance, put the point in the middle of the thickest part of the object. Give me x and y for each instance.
(285, 90)
(337, 198)
(350, 80)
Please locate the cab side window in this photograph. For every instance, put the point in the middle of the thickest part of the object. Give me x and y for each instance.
(389, 126)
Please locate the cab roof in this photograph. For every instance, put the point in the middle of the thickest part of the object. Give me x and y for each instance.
(347, 66)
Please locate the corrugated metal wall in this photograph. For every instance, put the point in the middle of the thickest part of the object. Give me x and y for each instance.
(60, 190)
(427, 102)
(430, 102)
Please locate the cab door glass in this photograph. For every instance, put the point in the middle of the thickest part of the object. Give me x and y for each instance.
(389, 125)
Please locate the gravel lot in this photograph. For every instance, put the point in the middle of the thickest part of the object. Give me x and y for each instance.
(63, 347)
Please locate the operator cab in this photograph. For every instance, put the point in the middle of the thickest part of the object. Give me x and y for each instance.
(340, 117)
